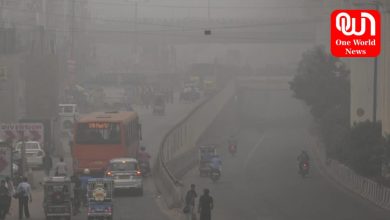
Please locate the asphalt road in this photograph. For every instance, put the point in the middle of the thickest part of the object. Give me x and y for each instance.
(261, 181)
(128, 206)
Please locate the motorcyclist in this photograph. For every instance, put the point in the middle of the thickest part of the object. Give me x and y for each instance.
(232, 143)
(144, 157)
(302, 159)
(216, 163)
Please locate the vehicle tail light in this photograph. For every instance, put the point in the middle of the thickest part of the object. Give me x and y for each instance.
(109, 210)
(138, 173)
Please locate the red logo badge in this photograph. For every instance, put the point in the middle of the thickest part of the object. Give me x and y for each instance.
(355, 33)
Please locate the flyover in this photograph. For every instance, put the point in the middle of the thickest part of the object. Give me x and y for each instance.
(261, 181)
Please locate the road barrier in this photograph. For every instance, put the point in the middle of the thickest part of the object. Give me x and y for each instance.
(178, 152)
(346, 177)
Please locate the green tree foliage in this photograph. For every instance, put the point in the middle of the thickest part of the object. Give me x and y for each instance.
(322, 82)
(366, 148)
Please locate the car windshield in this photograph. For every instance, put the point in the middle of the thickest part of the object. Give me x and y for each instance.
(28, 146)
(98, 133)
(123, 166)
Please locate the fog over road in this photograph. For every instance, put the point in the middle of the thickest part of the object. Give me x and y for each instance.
(261, 181)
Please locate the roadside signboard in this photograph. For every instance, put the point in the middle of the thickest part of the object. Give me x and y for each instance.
(13, 132)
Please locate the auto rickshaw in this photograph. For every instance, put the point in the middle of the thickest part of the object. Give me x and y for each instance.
(206, 153)
(100, 199)
(58, 197)
(159, 104)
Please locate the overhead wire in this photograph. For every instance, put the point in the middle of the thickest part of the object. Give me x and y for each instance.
(178, 27)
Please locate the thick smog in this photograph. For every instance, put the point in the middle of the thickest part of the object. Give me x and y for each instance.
(185, 110)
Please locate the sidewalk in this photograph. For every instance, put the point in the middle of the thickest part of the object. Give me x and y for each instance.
(35, 207)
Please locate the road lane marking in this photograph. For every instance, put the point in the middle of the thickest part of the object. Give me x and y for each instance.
(253, 150)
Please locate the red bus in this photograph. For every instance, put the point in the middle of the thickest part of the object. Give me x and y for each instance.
(102, 136)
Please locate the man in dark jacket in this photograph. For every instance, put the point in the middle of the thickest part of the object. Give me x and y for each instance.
(47, 163)
(77, 191)
(11, 192)
(4, 197)
(190, 202)
(205, 206)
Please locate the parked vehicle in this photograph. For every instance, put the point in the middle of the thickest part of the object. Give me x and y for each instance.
(58, 196)
(48, 136)
(34, 153)
(126, 174)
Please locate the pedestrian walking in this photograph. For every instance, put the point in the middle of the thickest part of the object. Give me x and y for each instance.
(47, 163)
(190, 203)
(23, 192)
(77, 193)
(61, 168)
(206, 204)
(4, 194)
(11, 190)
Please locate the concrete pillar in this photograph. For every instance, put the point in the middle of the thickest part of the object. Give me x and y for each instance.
(362, 72)
(385, 74)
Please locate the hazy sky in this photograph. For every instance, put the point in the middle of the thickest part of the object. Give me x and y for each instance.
(199, 9)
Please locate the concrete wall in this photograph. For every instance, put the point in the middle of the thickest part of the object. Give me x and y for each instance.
(11, 90)
(362, 71)
(384, 78)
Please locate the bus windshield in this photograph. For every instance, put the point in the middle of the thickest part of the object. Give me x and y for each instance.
(98, 133)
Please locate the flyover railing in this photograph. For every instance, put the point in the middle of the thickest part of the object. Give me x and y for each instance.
(346, 177)
(178, 151)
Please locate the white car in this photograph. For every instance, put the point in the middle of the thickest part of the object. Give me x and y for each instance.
(34, 153)
(126, 174)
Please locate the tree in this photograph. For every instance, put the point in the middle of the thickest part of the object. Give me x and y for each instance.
(366, 148)
(322, 82)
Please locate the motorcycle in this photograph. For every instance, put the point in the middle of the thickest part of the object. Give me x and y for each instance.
(233, 149)
(215, 175)
(145, 168)
(304, 169)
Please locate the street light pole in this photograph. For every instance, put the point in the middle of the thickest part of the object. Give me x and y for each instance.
(135, 36)
(374, 102)
(375, 86)
(377, 5)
